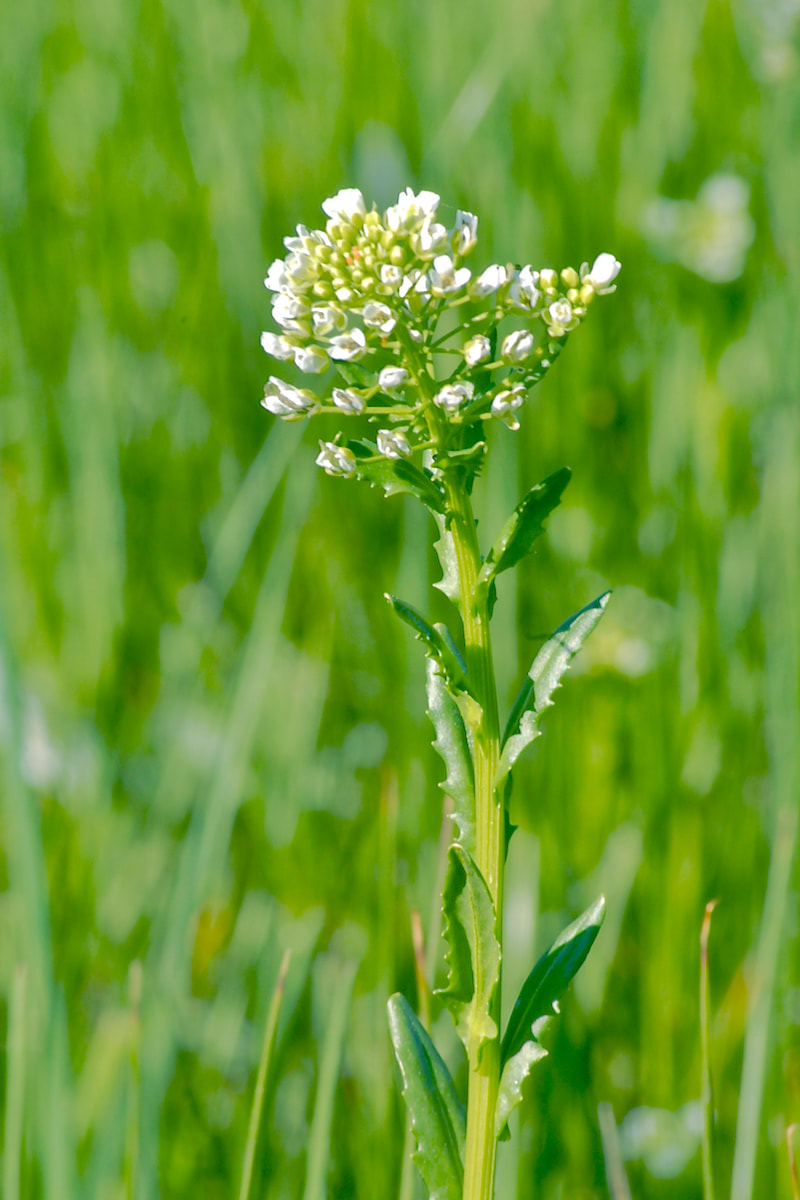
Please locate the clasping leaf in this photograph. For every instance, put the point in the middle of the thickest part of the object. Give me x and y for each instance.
(473, 956)
(537, 1002)
(524, 526)
(542, 680)
(436, 1113)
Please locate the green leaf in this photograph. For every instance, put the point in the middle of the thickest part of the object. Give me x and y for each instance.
(542, 679)
(524, 526)
(473, 956)
(436, 1113)
(437, 638)
(536, 1004)
(453, 745)
(446, 550)
(395, 475)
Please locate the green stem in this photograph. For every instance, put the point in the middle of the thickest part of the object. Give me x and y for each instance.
(479, 1156)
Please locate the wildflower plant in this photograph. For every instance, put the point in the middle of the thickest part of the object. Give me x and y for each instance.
(428, 353)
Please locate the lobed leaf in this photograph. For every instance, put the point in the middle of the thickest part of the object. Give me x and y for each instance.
(395, 475)
(473, 956)
(453, 745)
(437, 1115)
(542, 680)
(524, 526)
(537, 1002)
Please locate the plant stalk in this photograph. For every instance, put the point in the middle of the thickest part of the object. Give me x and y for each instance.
(479, 1156)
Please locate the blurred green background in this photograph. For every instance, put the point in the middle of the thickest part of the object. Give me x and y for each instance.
(212, 734)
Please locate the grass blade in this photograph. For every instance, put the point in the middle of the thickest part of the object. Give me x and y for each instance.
(706, 1084)
(15, 1085)
(618, 1186)
(320, 1136)
(261, 1078)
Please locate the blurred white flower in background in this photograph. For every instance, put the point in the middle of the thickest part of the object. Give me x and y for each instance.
(710, 235)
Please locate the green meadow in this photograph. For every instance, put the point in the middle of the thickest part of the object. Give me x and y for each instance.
(213, 742)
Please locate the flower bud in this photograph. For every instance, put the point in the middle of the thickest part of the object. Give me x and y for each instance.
(452, 396)
(277, 347)
(311, 360)
(392, 377)
(517, 346)
(489, 281)
(393, 443)
(476, 350)
(605, 270)
(548, 278)
(349, 401)
(570, 277)
(336, 460)
(348, 347)
(284, 400)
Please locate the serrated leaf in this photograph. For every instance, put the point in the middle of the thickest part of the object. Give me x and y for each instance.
(446, 550)
(438, 639)
(395, 475)
(524, 526)
(542, 680)
(437, 1115)
(473, 956)
(537, 1003)
(513, 1075)
(453, 745)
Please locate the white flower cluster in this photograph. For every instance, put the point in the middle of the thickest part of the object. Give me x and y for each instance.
(365, 295)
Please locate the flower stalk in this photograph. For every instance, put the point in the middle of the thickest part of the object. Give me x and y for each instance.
(366, 297)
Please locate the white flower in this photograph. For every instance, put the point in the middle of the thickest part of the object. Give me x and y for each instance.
(349, 401)
(379, 316)
(560, 318)
(523, 290)
(453, 395)
(345, 205)
(391, 276)
(605, 270)
(415, 280)
(410, 210)
(507, 402)
(430, 238)
(393, 443)
(285, 400)
(277, 347)
(465, 233)
(445, 278)
(276, 276)
(299, 241)
(392, 377)
(336, 460)
(311, 359)
(348, 346)
(326, 318)
(489, 281)
(290, 313)
(517, 346)
(300, 268)
(476, 350)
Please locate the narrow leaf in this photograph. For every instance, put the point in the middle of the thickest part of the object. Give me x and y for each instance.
(542, 680)
(473, 956)
(524, 526)
(537, 1002)
(452, 744)
(395, 475)
(436, 1113)
(438, 640)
